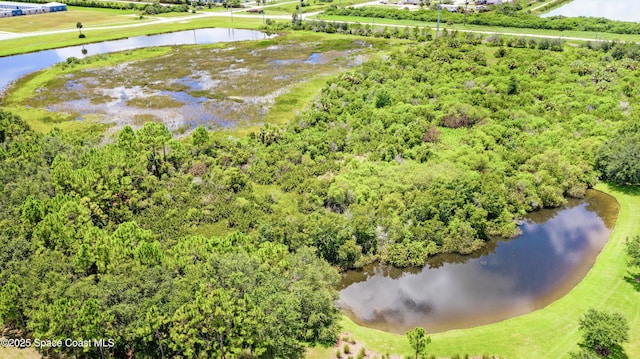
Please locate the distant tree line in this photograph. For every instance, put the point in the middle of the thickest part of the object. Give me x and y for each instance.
(421, 34)
(517, 20)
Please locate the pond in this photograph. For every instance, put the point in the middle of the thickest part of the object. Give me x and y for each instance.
(621, 10)
(15, 66)
(555, 251)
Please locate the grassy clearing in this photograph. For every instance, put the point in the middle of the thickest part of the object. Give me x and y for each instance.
(286, 106)
(320, 353)
(11, 353)
(67, 20)
(550, 332)
(43, 121)
(314, 5)
(187, 22)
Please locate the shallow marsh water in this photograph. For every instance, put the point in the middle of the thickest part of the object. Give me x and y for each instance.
(18, 65)
(194, 85)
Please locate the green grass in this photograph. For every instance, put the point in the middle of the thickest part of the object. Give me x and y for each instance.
(314, 6)
(67, 20)
(184, 22)
(287, 105)
(321, 353)
(101, 10)
(549, 5)
(12, 353)
(36, 43)
(551, 332)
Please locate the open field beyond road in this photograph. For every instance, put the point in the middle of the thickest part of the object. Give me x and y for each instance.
(43, 42)
(102, 25)
(67, 20)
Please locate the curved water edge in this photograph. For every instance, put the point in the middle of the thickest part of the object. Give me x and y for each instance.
(15, 66)
(507, 278)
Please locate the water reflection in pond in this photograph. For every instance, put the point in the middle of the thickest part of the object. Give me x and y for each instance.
(555, 251)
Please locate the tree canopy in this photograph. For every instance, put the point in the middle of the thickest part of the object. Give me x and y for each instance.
(418, 340)
(601, 331)
(219, 246)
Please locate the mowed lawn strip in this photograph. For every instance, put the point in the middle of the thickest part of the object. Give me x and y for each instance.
(551, 332)
(44, 42)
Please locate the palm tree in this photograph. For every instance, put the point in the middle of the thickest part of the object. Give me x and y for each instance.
(79, 27)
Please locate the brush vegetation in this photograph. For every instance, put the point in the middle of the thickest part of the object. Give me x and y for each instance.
(218, 246)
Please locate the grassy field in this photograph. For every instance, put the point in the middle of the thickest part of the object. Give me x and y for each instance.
(551, 332)
(67, 20)
(315, 5)
(103, 17)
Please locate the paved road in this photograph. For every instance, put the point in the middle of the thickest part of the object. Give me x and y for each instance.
(238, 14)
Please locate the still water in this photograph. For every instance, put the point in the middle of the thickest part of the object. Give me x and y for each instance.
(555, 251)
(621, 10)
(15, 66)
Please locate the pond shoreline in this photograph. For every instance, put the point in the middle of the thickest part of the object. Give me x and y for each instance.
(510, 278)
(550, 332)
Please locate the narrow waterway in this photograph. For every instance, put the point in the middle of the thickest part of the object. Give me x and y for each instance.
(555, 251)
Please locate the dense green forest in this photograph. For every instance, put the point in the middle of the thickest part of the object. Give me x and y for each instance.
(213, 246)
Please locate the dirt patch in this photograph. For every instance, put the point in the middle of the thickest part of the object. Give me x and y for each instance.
(347, 347)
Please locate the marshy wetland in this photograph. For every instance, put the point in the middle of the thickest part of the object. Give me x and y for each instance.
(216, 86)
